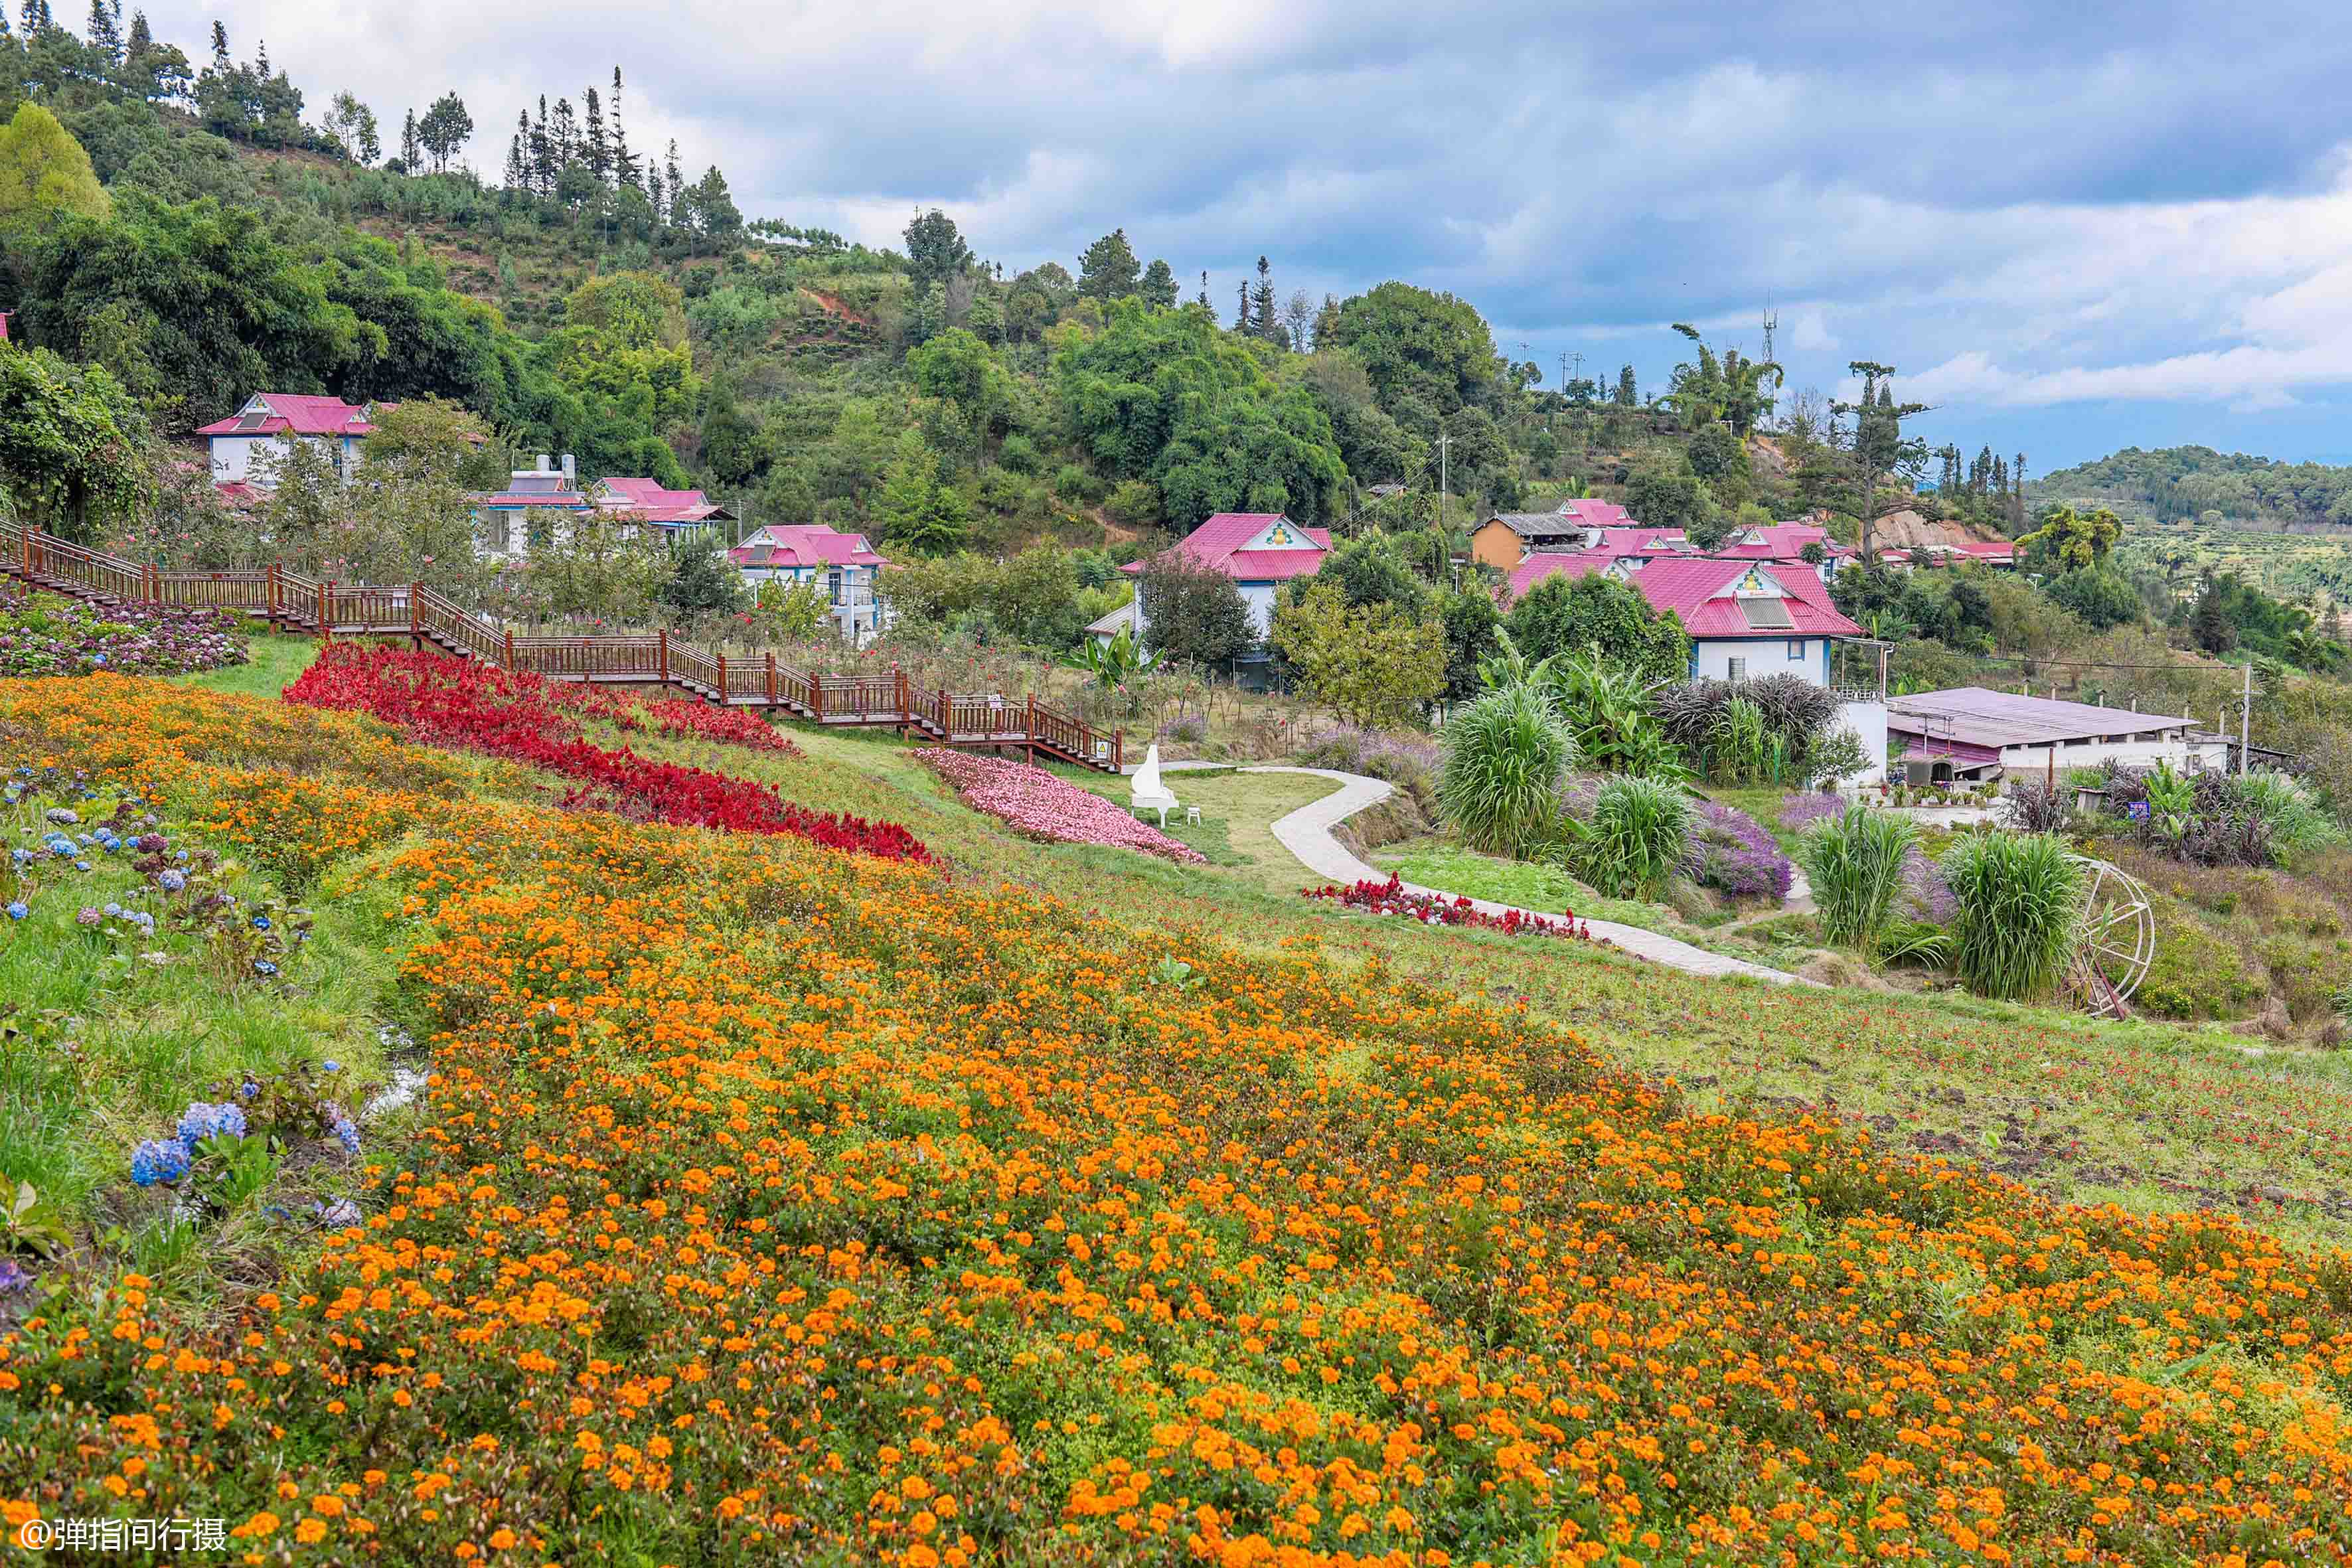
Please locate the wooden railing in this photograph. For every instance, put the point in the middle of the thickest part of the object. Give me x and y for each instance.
(288, 599)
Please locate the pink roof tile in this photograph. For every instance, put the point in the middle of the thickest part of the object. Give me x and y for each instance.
(1688, 587)
(646, 493)
(1218, 543)
(804, 545)
(1557, 564)
(300, 412)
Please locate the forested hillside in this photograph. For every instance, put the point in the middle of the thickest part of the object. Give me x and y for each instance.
(233, 231)
(2199, 484)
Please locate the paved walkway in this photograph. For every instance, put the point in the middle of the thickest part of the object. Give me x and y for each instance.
(1306, 833)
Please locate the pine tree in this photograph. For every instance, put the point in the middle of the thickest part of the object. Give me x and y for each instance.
(106, 28)
(142, 42)
(1626, 396)
(2017, 492)
(624, 163)
(563, 137)
(1204, 288)
(220, 41)
(1265, 315)
(519, 164)
(671, 180)
(409, 149)
(1241, 308)
(514, 161)
(654, 192)
(542, 154)
(260, 52)
(597, 156)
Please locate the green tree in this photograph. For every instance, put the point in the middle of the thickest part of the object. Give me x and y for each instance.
(71, 440)
(1165, 396)
(445, 130)
(595, 569)
(1562, 614)
(1371, 664)
(2075, 541)
(1427, 353)
(1193, 612)
(1108, 270)
(936, 250)
(1158, 288)
(2101, 597)
(1471, 620)
(45, 175)
(1663, 493)
(916, 509)
(701, 580)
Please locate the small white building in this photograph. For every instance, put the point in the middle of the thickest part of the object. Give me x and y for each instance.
(1972, 733)
(845, 563)
(246, 445)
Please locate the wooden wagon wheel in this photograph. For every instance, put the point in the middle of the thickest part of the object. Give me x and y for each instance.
(2114, 941)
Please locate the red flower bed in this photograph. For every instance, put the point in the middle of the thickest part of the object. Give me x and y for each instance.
(1045, 806)
(1389, 898)
(505, 713)
(676, 716)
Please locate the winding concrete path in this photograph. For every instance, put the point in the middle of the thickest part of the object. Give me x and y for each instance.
(1306, 833)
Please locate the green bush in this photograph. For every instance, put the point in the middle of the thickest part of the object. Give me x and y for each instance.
(1854, 862)
(1505, 754)
(2020, 904)
(1637, 840)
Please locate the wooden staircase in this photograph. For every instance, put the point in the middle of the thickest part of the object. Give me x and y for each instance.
(292, 602)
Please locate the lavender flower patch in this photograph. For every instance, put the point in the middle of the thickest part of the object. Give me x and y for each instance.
(1730, 851)
(1924, 895)
(47, 634)
(1800, 811)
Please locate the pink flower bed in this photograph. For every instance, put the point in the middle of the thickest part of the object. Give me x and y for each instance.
(1389, 898)
(1043, 806)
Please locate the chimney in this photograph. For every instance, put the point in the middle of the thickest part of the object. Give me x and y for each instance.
(568, 471)
(543, 461)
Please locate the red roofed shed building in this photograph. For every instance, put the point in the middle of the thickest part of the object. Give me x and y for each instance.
(1260, 550)
(844, 564)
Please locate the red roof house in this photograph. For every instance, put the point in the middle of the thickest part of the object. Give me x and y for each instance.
(271, 421)
(650, 503)
(1260, 550)
(780, 548)
(1746, 619)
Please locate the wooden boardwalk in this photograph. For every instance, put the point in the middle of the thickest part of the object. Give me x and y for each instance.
(293, 603)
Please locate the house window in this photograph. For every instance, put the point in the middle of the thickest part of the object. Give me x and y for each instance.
(833, 585)
(1796, 647)
(1736, 669)
(501, 533)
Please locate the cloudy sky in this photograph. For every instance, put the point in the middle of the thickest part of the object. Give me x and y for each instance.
(2071, 227)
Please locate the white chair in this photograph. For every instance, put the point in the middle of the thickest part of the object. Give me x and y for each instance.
(1147, 793)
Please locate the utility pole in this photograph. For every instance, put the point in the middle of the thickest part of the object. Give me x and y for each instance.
(2245, 718)
(1443, 441)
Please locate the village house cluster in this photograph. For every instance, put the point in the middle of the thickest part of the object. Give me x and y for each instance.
(540, 504)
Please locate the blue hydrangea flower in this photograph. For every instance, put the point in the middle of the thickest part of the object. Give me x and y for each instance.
(174, 880)
(331, 1065)
(140, 918)
(261, 923)
(347, 1135)
(63, 817)
(201, 1122)
(18, 910)
(263, 966)
(114, 910)
(159, 1160)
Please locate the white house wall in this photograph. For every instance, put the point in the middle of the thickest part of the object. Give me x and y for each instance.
(1711, 658)
(1867, 721)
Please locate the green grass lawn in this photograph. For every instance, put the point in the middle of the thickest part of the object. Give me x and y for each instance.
(276, 660)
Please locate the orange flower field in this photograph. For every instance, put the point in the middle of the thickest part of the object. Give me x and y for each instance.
(771, 1203)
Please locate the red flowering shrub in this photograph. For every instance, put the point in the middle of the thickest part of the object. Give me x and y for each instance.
(1043, 806)
(1389, 898)
(523, 718)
